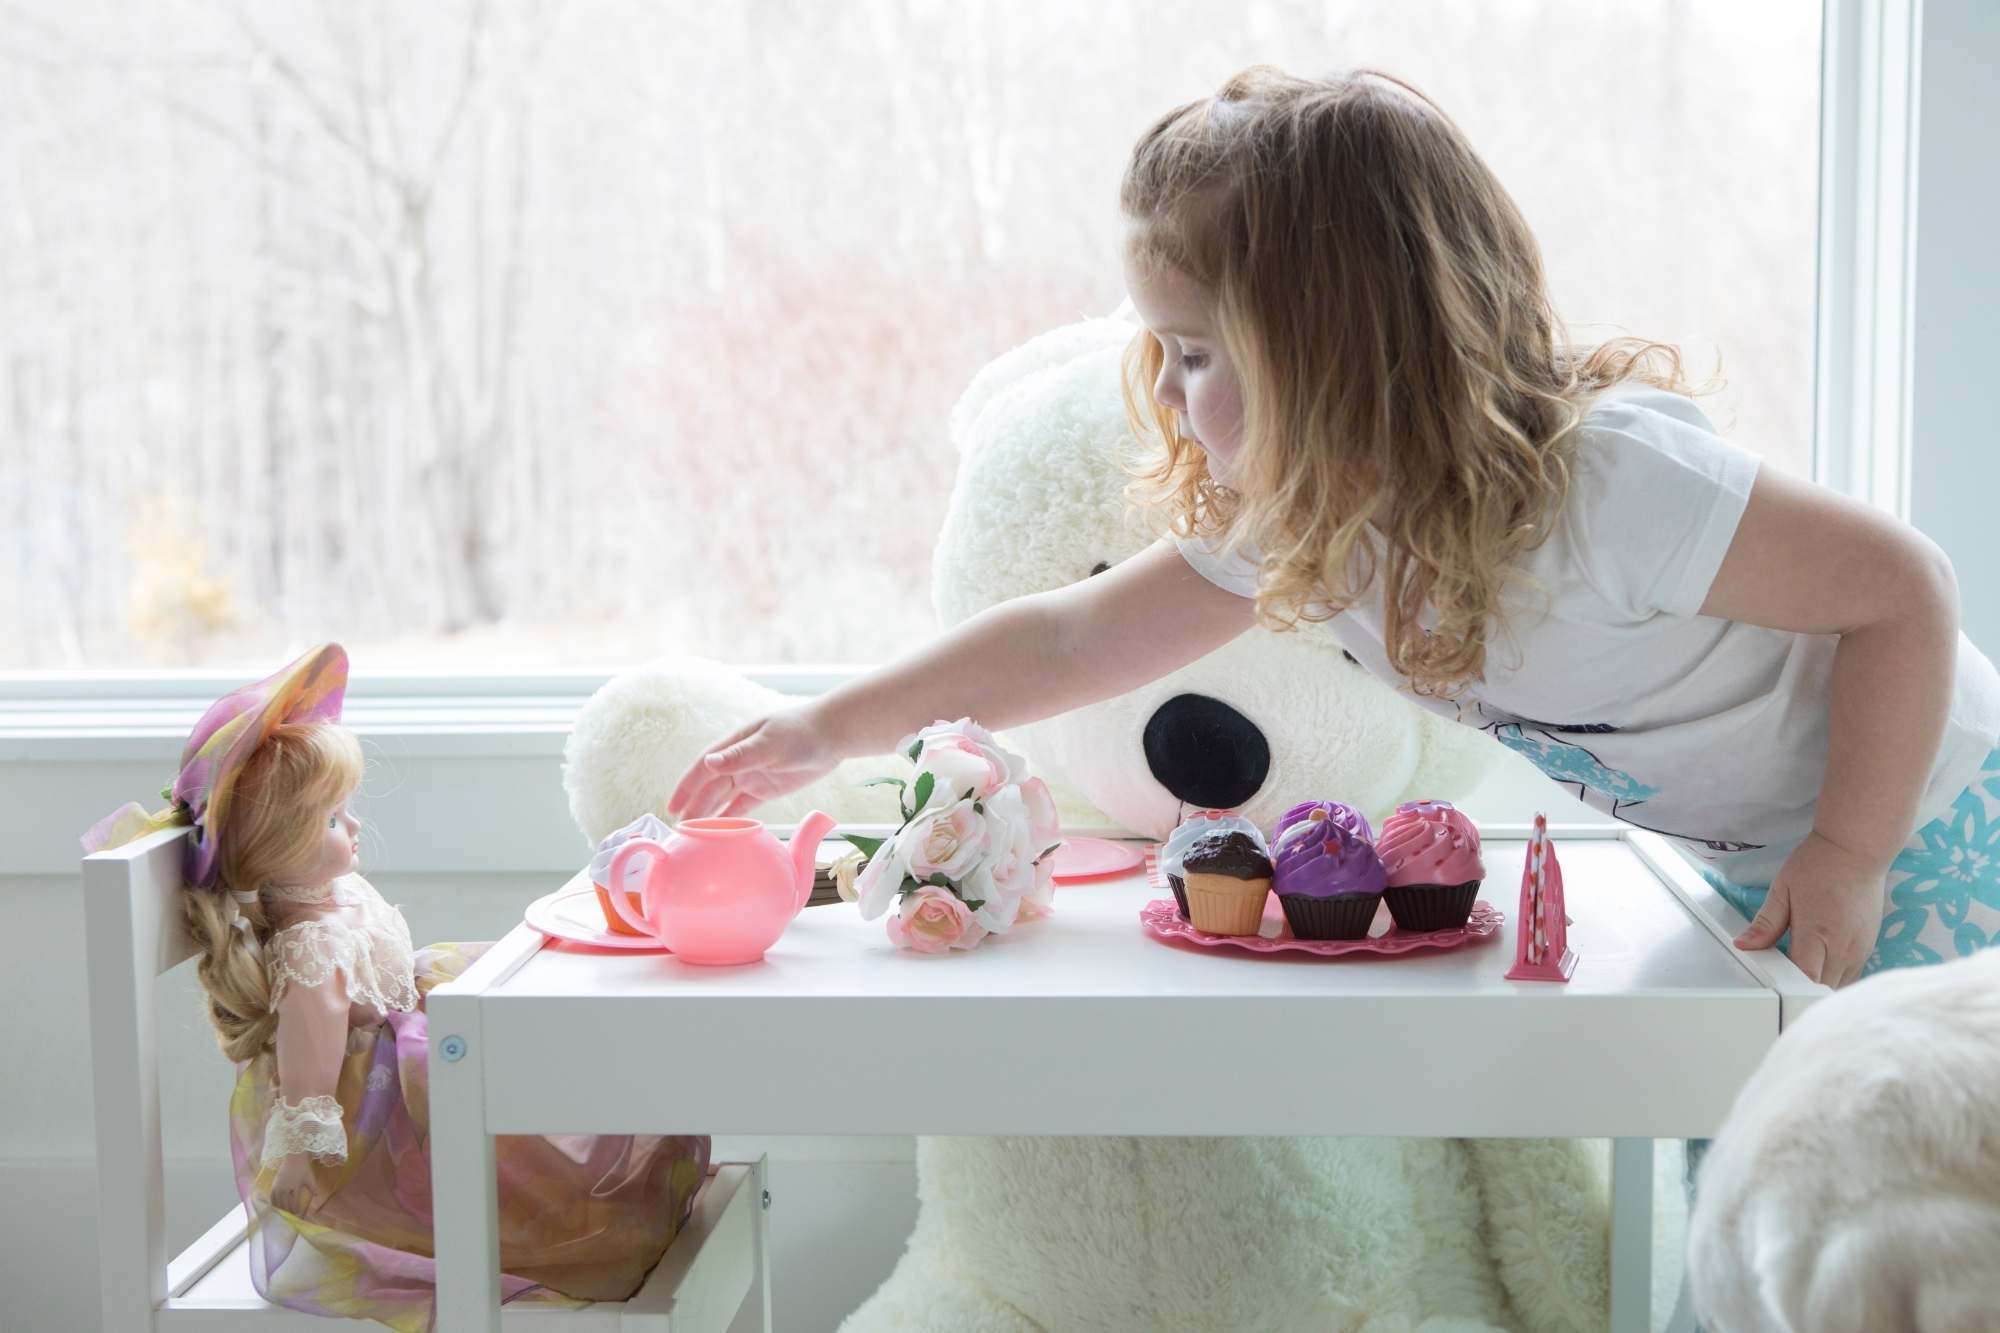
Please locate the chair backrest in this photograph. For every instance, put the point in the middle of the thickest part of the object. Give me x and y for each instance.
(133, 933)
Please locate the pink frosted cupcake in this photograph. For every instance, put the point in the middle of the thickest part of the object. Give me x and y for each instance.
(1325, 873)
(1430, 853)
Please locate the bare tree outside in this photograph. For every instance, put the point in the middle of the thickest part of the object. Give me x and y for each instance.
(525, 332)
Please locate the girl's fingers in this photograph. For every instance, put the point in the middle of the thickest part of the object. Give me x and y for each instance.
(698, 772)
(1809, 955)
(1772, 918)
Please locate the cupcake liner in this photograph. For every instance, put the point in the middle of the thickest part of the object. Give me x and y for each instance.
(1343, 916)
(1431, 906)
(1180, 894)
(612, 921)
(1222, 905)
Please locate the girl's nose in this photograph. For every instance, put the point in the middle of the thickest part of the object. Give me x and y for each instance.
(1167, 392)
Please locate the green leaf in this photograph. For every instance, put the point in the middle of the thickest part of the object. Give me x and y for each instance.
(938, 878)
(1046, 850)
(916, 748)
(925, 782)
(868, 846)
(973, 904)
(878, 782)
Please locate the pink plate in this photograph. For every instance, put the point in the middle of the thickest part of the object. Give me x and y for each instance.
(1097, 858)
(1162, 920)
(571, 913)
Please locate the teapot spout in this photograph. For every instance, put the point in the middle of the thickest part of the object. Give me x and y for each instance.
(805, 846)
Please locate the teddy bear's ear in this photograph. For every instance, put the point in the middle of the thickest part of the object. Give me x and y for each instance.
(1043, 353)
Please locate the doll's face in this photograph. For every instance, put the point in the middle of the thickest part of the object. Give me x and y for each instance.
(335, 849)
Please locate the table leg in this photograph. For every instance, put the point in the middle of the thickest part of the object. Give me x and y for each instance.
(465, 1203)
(1631, 1235)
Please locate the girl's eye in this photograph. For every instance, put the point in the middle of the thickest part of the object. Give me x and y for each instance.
(333, 820)
(1194, 360)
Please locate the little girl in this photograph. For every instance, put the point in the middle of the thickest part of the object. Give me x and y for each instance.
(1369, 415)
(315, 992)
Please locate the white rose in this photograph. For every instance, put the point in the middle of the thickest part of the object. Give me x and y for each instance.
(945, 841)
(875, 888)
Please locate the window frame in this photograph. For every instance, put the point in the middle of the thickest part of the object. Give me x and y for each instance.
(467, 745)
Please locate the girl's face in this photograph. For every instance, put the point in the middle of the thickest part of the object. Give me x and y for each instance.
(1196, 379)
(336, 849)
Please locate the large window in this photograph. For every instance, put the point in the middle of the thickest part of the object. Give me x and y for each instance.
(540, 333)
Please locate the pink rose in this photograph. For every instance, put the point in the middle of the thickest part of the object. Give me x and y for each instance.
(933, 921)
(1043, 823)
(963, 757)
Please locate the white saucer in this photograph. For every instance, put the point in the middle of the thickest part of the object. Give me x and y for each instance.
(572, 913)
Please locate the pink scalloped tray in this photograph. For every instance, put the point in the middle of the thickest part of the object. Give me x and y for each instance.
(1162, 920)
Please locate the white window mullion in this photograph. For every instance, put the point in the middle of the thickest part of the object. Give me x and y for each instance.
(1867, 249)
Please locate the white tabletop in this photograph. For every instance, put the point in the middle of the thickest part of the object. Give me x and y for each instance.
(1084, 1024)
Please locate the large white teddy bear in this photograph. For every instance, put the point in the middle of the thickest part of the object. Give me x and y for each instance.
(1855, 1185)
(1053, 1234)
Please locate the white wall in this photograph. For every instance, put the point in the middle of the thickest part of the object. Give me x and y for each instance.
(1955, 421)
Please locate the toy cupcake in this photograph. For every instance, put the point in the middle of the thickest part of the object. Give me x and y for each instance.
(645, 826)
(1327, 876)
(1182, 838)
(1430, 850)
(1226, 877)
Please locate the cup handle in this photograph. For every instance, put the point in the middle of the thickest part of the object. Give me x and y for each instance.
(615, 890)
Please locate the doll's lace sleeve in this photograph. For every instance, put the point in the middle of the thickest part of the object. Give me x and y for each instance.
(312, 1126)
(312, 1004)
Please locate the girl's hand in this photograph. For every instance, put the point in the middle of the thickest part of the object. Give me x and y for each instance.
(1832, 901)
(293, 1190)
(760, 760)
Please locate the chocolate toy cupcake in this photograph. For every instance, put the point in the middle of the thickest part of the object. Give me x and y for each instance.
(1430, 850)
(1225, 878)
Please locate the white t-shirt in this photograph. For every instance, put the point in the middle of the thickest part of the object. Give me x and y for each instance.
(1610, 680)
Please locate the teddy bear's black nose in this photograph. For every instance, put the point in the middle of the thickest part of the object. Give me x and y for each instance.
(1205, 752)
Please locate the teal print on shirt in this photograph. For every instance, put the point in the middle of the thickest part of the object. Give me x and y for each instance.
(1566, 762)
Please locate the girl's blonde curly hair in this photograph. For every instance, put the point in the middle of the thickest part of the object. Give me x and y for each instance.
(1408, 390)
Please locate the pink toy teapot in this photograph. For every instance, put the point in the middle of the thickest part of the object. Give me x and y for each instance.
(720, 891)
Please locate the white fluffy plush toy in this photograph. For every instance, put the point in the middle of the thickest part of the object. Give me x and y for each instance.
(1856, 1184)
(1128, 1234)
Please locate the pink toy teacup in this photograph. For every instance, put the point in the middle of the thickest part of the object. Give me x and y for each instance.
(719, 891)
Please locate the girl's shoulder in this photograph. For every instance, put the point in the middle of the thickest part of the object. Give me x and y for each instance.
(1644, 412)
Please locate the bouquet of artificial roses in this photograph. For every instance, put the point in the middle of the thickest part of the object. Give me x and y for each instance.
(973, 854)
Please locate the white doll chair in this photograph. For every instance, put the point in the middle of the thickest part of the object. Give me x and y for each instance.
(133, 935)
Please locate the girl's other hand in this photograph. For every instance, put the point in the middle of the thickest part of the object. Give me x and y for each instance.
(293, 1190)
(759, 761)
(1831, 900)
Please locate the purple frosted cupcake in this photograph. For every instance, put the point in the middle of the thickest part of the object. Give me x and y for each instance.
(1325, 872)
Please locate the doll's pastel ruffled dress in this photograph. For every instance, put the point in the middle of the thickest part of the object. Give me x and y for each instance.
(582, 1217)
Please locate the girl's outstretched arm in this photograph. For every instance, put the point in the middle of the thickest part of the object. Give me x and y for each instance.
(1020, 661)
(1812, 561)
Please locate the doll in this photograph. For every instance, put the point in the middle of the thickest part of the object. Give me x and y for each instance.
(316, 994)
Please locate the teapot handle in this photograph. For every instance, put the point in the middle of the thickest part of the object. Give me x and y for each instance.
(616, 888)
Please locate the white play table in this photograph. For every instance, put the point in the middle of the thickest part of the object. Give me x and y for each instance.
(1083, 1024)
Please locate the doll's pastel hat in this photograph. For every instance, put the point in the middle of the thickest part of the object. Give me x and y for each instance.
(309, 690)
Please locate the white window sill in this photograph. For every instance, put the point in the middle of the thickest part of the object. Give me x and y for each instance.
(465, 769)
